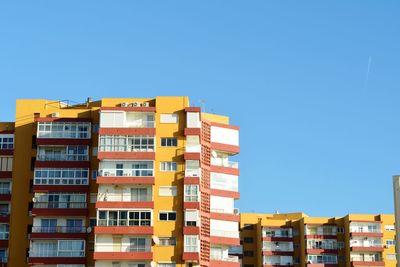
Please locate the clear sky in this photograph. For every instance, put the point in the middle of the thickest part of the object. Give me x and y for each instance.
(314, 85)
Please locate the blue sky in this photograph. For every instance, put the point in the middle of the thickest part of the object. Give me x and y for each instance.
(314, 85)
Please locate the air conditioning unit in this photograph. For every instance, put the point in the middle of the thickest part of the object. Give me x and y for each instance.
(55, 114)
(124, 104)
(145, 104)
(136, 104)
(236, 211)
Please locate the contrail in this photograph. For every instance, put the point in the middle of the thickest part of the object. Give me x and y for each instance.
(368, 70)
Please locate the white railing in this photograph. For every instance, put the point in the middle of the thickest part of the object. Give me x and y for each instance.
(55, 253)
(233, 211)
(140, 124)
(231, 234)
(222, 163)
(193, 148)
(365, 258)
(366, 245)
(124, 197)
(193, 172)
(364, 230)
(126, 172)
(59, 205)
(60, 181)
(121, 247)
(63, 157)
(229, 258)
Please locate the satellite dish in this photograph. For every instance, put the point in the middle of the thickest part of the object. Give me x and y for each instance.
(89, 229)
(34, 199)
(153, 264)
(156, 240)
(214, 154)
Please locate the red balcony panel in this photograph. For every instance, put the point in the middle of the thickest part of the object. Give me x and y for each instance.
(124, 205)
(6, 152)
(368, 263)
(138, 109)
(138, 230)
(191, 156)
(191, 205)
(56, 260)
(6, 197)
(123, 255)
(4, 218)
(225, 240)
(50, 119)
(127, 155)
(226, 170)
(127, 131)
(193, 109)
(6, 131)
(191, 180)
(191, 230)
(124, 180)
(62, 164)
(321, 251)
(192, 256)
(218, 263)
(59, 212)
(367, 234)
(225, 193)
(62, 141)
(367, 249)
(277, 253)
(192, 131)
(225, 147)
(227, 126)
(225, 216)
(61, 188)
(274, 238)
(3, 244)
(58, 235)
(4, 174)
(366, 221)
(321, 236)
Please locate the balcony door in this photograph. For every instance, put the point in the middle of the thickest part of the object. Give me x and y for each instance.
(74, 225)
(139, 195)
(119, 169)
(48, 225)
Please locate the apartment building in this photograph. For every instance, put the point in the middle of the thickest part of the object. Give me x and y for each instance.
(129, 182)
(295, 239)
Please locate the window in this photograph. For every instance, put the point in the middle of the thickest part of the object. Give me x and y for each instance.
(140, 194)
(326, 259)
(71, 248)
(4, 231)
(94, 151)
(127, 143)
(191, 193)
(168, 166)
(123, 218)
(340, 245)
(167, 241)
(391, 257)
(167, 191)
(169, 141)
(6, 141)
(76, 130)
(70, 176)
(94, 174)
(93, 198)
(340, 230)
(138, 244)
(92, 222)
(166, 264)
(167, 216)
(95, 128)
(54, 200)
(390, 242)
(191, 243)
(6, 163)
(168, 118)
(191, 217)
(389, 227)
(5, 188)
(248, 253)
(248, 240)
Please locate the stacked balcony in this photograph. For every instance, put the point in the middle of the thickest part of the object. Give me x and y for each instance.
(125, 202)
(60, 186)
(321, 244)
(277, 246)
(6, 165)
(366, 248)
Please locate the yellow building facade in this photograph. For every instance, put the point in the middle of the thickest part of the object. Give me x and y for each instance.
(300, 240)
(128, 182)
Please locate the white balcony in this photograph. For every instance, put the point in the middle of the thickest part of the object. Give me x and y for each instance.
(57, 248)
(277, 232)
(365, 227)
(193, 172)
(224, 162)
(63, 153)
(228, 258)
(366, 257)
(123, 197)
(52, 176)
(74, 130)
(121, 119)
(126, 172)
(223, 233)
(278, 246)
(321, 244)
(320, 230)
(278, 260)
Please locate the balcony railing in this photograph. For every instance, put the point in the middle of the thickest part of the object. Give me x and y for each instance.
(229, 164)
(322, 246)
(55, 253)
(60, 205)
(122, 248)
(193, 172)
(366, 258)
(58, 229)
(229, 258)
(123, 222)
(234, 211)
(124, 197)
(364, 230)
(79, 157)
(126, 172)
(366, 245)
(140, 124)
(193, 148)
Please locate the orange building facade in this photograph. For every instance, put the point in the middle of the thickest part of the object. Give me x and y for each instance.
(118, 182)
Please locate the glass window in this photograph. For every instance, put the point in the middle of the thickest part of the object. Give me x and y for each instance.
(168, 166)
(169, 141)
(167, 215)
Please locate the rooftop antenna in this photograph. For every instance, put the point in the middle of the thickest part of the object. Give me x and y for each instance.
(203, 105)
